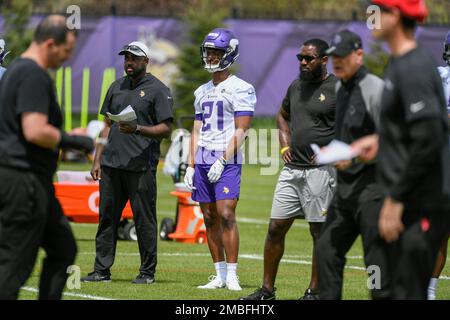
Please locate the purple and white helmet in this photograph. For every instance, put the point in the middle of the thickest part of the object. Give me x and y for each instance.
(446, 54)
(221, 39)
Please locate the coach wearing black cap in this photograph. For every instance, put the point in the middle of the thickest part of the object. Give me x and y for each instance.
(414, 156)
(126, 161)
(358, 200)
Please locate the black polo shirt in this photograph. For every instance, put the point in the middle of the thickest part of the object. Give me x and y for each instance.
(414, 156)
(153, 104)
(311, 107)
(26, 87)
(357, 115)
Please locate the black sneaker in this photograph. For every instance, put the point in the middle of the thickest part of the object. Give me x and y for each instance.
(310, 295)
(96, 276)
(143, 279)
(260, 294)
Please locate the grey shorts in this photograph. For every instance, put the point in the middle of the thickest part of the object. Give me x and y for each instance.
(305, 193)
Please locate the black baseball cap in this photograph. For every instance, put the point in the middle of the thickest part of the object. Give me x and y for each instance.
(343, 43)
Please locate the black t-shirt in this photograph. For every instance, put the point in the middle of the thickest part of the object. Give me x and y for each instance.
(26, 87)
(413, 159)
(357, 115)
(153, 104)
(311, 107)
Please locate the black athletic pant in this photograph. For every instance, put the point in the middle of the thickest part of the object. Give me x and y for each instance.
(116, 188)
(31, 217)
(345, 221)
(411, 259)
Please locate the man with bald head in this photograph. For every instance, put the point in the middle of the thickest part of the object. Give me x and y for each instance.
(30, 138)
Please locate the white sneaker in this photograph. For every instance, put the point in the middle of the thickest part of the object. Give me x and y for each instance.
(233, 284)
(214, 283)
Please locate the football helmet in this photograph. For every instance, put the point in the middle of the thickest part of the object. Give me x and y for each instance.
(224, 40)
(446, 54)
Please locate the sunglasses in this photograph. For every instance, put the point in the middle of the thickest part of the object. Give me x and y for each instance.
(133, 48)
(306, 58)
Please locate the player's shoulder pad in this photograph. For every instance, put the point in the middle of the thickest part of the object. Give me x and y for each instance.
(239, 86)
(200, 90)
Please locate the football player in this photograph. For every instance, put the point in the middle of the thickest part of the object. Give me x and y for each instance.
(224, 108)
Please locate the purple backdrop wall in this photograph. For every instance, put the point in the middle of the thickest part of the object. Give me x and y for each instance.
(267, 47)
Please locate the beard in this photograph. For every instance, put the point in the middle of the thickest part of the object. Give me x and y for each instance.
(135, 72)
(311, 75)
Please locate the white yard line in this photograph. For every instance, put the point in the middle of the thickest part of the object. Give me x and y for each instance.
(242, 220)
(266, 222)
(246, 256)
(69, 294)
(258, 257)
(186, 254)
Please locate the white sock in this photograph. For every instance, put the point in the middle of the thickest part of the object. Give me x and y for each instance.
(231, 270)
(221, 270)
(432, 288)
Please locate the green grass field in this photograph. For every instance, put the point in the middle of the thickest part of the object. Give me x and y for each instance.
(181, 267)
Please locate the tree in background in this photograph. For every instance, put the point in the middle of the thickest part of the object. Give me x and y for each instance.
(191, 73)
(16, 14)
(377, 59)
(261, 9)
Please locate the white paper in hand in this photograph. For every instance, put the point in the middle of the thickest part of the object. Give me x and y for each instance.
(335, 151)
(126, 115)
(75, 177)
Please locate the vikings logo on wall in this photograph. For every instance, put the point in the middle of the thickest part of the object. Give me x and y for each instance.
(162, 56)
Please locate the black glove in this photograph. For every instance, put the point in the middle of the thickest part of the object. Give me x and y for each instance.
(82, 143)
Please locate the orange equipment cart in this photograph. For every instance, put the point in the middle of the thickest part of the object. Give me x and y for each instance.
(190, 225)
(79, 197)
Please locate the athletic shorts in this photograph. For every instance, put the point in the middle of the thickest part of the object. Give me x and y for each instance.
(227, 187)
(304, 193)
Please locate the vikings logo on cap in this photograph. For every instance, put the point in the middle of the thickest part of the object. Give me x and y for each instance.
(337, 39)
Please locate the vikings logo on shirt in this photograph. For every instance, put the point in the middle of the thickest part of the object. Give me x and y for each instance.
(322, 97)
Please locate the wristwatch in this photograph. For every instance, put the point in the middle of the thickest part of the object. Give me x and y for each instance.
(138, 130)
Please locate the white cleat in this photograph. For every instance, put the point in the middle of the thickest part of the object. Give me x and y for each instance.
(214, 283)
(233, 284)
